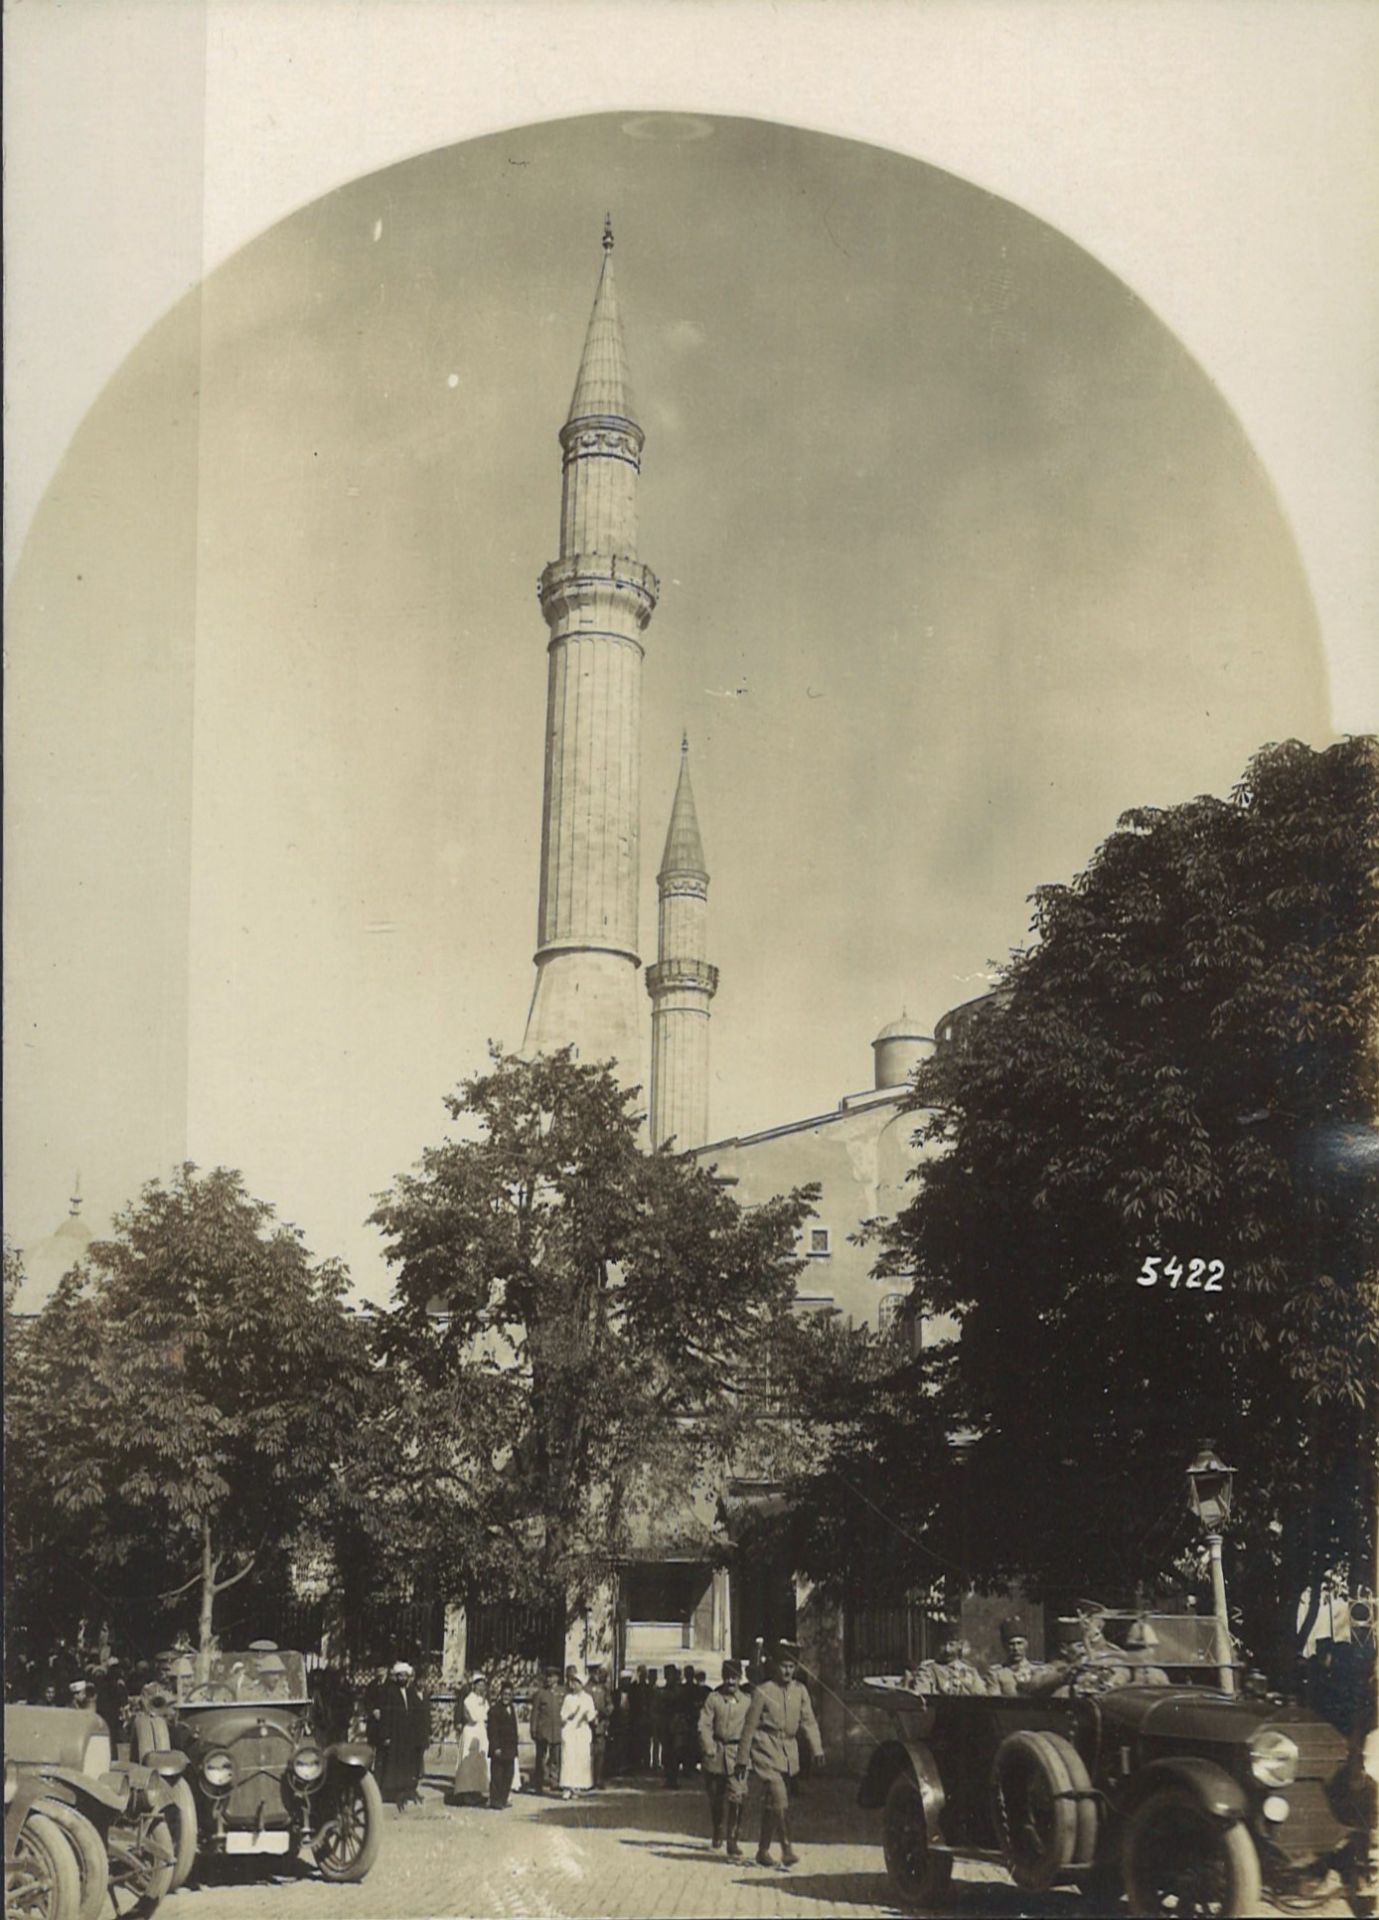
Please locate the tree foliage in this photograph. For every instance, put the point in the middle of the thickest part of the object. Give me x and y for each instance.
(585, 1313)
(177, 1409)
(1181, 1067)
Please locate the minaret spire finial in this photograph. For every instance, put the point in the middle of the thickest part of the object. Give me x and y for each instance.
(684, 740)
(608, 233)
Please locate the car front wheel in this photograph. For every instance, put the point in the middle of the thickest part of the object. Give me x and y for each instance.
(346, 1843)
(919, 1875)
(142, 1860)
(93, 1869)
(42, 1881)
(181, 1817)
(1183, 1860)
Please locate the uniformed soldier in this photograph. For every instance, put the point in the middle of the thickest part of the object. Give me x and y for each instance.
(720, 1729)
(1018, 1673)
(1106, 1666)
(953, 1672)
(780, 1711)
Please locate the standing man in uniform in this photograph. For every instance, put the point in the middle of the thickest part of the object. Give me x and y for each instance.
(545, 1731)
(720, 1729)
(779, 1711)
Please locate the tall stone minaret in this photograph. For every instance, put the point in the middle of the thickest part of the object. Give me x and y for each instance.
(597, 599)
(682, 982)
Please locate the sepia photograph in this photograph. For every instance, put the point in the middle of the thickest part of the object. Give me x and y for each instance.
(691, 959)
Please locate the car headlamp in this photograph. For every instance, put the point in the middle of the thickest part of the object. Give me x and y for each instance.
(308, 1764)
(11, 1781)
(1273, 1758)
(218, 1770)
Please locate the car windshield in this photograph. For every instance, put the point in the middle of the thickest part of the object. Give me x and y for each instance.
(1180, 1639)
(254, 1674)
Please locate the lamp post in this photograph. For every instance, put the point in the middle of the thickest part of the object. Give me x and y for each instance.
(1210, 1486)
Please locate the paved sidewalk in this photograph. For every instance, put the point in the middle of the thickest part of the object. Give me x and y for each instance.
(627, 1853)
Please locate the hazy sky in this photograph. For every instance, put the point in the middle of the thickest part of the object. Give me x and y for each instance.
(960, 555)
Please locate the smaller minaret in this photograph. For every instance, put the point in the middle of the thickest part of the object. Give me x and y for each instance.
(682, 983)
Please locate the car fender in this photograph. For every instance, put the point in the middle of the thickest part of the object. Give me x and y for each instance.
(79, 1790)
(905, 1756)
(145, 1788)
(1210, 1785)
(351, 1753)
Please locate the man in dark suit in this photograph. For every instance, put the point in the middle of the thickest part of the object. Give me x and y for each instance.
(502, 1747)
(670, 1702)
(779, 1712)
(602, 1696)
(639, 1722)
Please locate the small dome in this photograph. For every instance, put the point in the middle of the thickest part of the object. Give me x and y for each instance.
(903, 1028)
(898, 1050)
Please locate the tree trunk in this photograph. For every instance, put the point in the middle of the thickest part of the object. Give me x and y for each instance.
(208, 1589)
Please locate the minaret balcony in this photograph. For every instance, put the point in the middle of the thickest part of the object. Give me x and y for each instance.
(585, 580)
(671, 976)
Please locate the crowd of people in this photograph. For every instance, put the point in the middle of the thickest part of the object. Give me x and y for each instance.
(758, 1724)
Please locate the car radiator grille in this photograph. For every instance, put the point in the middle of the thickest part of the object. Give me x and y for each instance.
(1311, 1830)
(259, 1766)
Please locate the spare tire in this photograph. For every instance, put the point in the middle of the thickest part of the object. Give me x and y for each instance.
(1043, 1808)
(149, 1735)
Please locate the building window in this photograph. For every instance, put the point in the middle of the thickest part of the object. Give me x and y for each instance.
(892, 1305)
(818, 1241)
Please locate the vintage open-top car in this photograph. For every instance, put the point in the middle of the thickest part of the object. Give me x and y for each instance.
(65, 1795)
(1185, 1797)
(261, 1780)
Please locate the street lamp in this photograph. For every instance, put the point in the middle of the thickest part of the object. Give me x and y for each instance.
(1210, 1486)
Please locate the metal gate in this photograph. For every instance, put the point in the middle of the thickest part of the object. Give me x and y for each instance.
(888, 1638)
(522, 1638)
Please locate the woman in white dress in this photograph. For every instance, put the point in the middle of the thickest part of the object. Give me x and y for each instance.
(577, 1717)
(471, 1775)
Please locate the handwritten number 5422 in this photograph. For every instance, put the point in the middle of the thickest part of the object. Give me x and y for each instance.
(1176, 1275)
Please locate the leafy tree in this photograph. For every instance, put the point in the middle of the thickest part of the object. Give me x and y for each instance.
(178, 1406)
(1181, 1069)
(588, 1313)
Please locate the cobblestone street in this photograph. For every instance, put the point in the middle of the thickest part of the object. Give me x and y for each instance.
(630, 1851)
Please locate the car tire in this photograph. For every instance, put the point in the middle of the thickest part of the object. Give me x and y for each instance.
(1042, 1808)
(346, 1844)
(1180, 1858)
(93, 1867)
(43, 1880)
(181, 1817)
(918, 1875)
(154, 1856)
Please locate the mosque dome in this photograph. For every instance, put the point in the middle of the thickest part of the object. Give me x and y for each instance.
(898, 1050)
(46, 1261)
